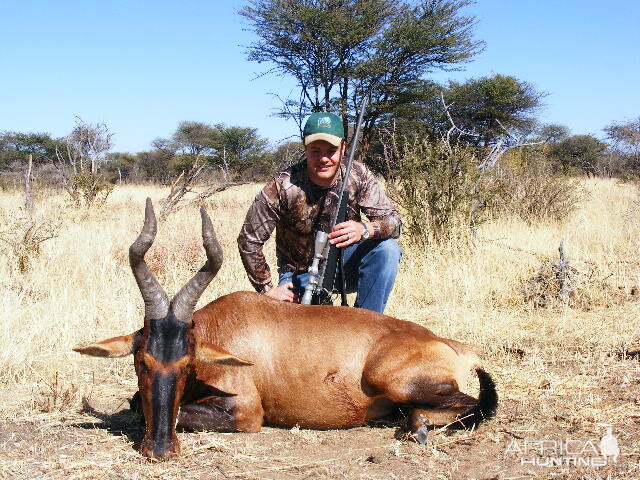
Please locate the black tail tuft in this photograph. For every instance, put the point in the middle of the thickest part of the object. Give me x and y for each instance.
(487, 401)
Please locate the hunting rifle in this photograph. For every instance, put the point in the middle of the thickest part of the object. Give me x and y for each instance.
(323, 272)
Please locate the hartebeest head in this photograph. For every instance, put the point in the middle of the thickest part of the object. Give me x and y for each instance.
(165, 349)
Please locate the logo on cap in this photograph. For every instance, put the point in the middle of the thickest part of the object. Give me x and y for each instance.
(324, 122)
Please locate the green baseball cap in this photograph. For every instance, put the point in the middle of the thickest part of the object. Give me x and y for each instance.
(323, 126)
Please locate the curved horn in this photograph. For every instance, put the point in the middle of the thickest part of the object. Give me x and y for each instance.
(156, 303)
(184, 302)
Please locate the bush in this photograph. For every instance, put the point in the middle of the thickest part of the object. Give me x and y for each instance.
(87, 189)
(444, 193)
(533, 192)
(24, 235)
(439, 187)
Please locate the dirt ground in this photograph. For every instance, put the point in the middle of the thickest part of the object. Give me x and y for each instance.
(574, 401)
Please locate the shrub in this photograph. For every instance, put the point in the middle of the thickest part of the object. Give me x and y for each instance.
(87, 189)
(533, 192)
(24, 235)
(439, 187)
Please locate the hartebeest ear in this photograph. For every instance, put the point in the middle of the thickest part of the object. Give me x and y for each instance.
(112, 347)
(210, 354)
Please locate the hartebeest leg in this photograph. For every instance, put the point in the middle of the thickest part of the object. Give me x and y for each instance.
(222, 414)
(449, 413)
(426, 411)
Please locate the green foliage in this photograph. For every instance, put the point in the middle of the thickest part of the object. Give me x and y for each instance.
(625, 136)
(444, 193)
(156, 164)
(16, 146)
(240, 144)
(580, 153)
(553, 133)
(496, 112)
(625, 151)
(232, 149)
(121, 167)
(195, 138)
(340, 50)
(489, 105)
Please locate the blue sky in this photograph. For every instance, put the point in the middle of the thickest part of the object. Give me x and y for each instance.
(142, 67)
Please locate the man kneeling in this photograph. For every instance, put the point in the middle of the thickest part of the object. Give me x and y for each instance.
(301, 200)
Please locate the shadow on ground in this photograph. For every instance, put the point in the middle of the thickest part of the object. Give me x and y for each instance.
(125, 423)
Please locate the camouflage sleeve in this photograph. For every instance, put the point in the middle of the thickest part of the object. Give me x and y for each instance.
(375, 204)
(261, 219)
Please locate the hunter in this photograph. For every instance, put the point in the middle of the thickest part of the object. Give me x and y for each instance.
(301, 200)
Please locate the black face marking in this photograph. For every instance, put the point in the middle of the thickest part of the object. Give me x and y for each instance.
(163, 394)
(167, 339)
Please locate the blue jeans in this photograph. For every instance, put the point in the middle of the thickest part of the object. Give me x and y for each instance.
(370, 269)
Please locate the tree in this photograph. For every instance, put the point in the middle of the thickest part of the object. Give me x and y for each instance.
(584, 152)
(495, 114)
(195, 138)
(491, 106)
(157, 164)
(339, 51)
(220, 146)
(240, 144)
(16, 146)
(624, 154)
(121, 167)
(286, 154)
(625, 136)
(87, 146)
(553, 132)
(86, 149)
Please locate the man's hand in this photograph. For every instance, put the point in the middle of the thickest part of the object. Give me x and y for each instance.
(283, 292)
(346, 233)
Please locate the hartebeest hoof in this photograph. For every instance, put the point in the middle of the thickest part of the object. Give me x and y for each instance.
(419, 428)
(420, 435)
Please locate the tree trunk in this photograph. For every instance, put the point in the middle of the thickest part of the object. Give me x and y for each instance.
(28, 198)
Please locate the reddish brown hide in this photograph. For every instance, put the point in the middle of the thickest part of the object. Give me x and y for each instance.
(332, 367)
(312, 366)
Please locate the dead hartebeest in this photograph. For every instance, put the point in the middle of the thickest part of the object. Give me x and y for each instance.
(319, 367)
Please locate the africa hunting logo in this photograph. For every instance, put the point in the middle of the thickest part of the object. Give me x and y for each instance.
(324, 122)
(567, 452)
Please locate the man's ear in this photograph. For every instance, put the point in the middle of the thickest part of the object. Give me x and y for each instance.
(210, 354)
(112, 347)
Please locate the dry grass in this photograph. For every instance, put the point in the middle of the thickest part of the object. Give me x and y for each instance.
(560, 370)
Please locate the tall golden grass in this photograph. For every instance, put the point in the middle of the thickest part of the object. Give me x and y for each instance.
(80, 288)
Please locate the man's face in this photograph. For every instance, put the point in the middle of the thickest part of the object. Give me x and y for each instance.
(323, 160)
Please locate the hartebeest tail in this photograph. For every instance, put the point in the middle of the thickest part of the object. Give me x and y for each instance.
(487, 403)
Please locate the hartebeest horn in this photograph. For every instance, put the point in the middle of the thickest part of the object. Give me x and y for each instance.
(156, 303)
(184, 302)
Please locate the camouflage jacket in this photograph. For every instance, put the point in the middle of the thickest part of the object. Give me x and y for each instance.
(297, 208)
